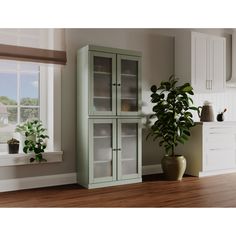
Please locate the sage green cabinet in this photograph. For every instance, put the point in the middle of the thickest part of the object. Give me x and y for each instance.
(108, 116)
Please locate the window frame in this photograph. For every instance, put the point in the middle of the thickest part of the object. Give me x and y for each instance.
(50, 114)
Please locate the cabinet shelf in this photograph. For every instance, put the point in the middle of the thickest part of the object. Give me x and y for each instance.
(127, 98)
(99, 137)
(128, 136)
(129, 75)
(101, 97)
(102, 162)
(101, 73)
(128, 159)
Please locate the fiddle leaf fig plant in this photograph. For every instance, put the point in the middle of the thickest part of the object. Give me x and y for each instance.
(35, 138)
(172, 109)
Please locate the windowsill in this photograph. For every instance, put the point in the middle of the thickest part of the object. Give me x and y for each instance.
(24, 159)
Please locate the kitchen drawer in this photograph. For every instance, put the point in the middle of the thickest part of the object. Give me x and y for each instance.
(219, 159)
(220, 130)
(220, 140)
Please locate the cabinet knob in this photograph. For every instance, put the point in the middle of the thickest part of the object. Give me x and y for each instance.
(118, 84)
(114, 84)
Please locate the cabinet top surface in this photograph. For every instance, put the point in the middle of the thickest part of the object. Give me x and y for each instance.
(112, 50)
(215, 123)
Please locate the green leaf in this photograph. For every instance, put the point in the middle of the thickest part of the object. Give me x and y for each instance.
(187, 89)
(25, 149)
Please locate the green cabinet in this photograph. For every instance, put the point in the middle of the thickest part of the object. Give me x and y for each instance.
(108, 116)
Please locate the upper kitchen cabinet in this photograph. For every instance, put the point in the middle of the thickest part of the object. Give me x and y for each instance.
(110, 80)
(200, 59)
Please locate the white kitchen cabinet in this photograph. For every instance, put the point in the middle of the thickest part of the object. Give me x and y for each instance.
(211, 149)
(200, 59)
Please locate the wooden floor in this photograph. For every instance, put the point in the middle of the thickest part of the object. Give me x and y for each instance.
(154, 191)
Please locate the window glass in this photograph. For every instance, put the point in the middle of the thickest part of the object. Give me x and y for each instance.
(19, 95)
(28, 113)
(29, 89)
(8, 88)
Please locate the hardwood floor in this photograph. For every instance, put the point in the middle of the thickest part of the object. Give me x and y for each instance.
(216, 191)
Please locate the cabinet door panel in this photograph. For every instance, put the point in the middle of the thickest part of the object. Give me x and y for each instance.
(129, 144)
(102, 93)
(200, 62)
(128, 85)
(102, 157)
(218, 64)
(220, 159)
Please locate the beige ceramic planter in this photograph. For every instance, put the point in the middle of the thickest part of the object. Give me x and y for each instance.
(173, 167)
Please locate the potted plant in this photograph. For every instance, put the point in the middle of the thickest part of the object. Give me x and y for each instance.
(13, 146)
(172, 111)
(35, 138)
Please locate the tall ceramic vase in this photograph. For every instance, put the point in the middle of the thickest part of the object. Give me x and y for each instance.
(173, 167)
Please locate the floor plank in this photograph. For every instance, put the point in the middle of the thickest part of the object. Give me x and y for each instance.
(154, 191)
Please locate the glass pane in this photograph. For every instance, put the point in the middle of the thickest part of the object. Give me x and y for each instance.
(129, 85)
(8, 120)
(102, 150)
(8, 65)
(102, 170)
(129, 145)
(129, 167)
(26, 66)
(12, 115)
(8, 88)
(29, 89)
(28, 113)
(103, 64)
(102, 84)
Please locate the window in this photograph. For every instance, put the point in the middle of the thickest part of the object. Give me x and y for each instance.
(31, 89)
(19, 95)
(27, 91)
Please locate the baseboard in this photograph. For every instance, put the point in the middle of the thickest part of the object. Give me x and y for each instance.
(53, 180)
(151, 169)
(37, 182)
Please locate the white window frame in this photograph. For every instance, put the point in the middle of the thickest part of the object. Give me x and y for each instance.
(50, 114)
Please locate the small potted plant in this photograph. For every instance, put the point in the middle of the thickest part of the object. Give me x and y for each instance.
(35, 138)
(220, 116)
(172, 111)
(13, 146)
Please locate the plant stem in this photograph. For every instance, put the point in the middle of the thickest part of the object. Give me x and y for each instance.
(173, 150)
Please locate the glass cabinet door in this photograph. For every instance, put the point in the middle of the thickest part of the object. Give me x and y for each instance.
(128, 85)
(102, 150)
(102, 84)
(129, 146)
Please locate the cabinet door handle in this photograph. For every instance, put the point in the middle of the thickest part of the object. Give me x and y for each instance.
(118, 84)
(114, 84)
(211, 83)
(118, 149)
